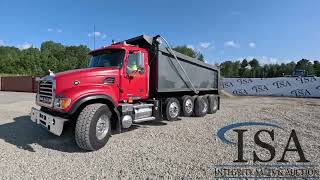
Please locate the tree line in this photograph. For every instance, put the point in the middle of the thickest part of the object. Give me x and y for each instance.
(37, 61)
(189, 52)
(253, 68)
(54, 56)
(58, 57)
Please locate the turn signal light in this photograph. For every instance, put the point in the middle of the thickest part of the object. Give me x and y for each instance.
(62, 103)
(65, 102)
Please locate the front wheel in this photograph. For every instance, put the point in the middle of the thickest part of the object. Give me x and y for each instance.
(172, 109)
(93, 128)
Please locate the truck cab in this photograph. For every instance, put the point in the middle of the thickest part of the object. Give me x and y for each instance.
(112, 93)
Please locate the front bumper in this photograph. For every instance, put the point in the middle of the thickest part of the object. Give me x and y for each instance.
(53, 124)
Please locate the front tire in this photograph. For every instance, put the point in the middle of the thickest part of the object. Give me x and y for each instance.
(172, 109)
(93, 127)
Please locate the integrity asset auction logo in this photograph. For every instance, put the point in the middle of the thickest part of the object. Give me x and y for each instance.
(264, 165)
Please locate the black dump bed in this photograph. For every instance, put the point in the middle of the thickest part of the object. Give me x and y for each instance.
(166, 74)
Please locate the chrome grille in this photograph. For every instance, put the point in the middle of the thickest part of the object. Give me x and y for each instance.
(46, 93)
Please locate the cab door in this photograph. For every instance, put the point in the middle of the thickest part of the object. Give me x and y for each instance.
(136, 75)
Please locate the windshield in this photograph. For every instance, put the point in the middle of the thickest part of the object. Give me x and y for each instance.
(108, 58)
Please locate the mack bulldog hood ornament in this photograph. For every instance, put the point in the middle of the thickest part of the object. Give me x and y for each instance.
(50, 73)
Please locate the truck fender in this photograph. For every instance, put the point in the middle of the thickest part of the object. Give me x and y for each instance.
(98, 98)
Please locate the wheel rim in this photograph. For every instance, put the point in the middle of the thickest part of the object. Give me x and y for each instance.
(173, 109)
(189, 106)
(205, 107)
(102, 127)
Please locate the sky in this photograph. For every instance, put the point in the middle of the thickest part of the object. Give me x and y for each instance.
(272, 31)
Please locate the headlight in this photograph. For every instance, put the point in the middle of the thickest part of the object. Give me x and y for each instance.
(62, 103)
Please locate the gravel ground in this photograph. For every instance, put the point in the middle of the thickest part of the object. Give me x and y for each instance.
(188, 148)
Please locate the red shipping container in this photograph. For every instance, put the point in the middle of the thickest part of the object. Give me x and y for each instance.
(18, 83)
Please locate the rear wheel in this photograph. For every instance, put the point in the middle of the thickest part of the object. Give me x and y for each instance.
(200, 106)
(213, 104)
(172, 109)
(187, 106)
(93, 128)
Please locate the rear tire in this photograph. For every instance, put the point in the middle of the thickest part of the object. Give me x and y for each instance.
(213, 104)
(172, 109)
(93, 127)
(200, 106)
(187, 105)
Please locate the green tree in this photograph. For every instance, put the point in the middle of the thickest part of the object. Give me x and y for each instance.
(230, 69)
(305, 64)
(244, 63)
(201, 57)
(290, 68)
(76, 57)
(243, 71)
(34, 61)
(30, 61)
(254, 63)
(189, 52)
(316, 67)
(255, 68)
(57, 57)
(52, 56)
(226, 69)
(9, 58)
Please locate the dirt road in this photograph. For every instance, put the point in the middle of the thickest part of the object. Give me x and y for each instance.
(188, 148)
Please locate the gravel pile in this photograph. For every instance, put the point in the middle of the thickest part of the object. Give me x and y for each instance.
(188, 148)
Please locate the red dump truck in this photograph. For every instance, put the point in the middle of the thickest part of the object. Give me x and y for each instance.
(140, 79)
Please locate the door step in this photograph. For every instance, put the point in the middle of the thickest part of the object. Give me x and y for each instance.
(144, 119)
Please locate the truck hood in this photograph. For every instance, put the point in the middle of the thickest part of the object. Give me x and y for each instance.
(83, 77)
(87, 72)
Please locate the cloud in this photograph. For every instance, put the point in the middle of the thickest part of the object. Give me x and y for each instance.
(54, 30)
(231, 44)
(97, 34)
(190, 46)
(25, 45)
(2, 43)
(265, 59)
(205, 45)
(269, 60)
(252, 45)
(201, 46)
